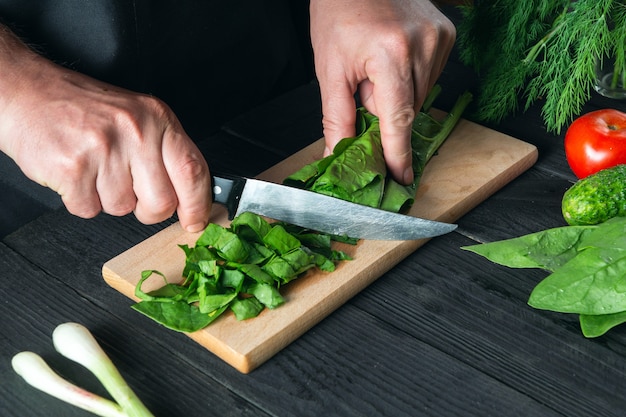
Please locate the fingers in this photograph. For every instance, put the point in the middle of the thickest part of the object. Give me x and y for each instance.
(156, 197)
(172, 176)
(386, 93)
(389, 93)
(338, 109)
(114, 185)
(394, 53)
(191, 181)
(152, 169)
(88, 182)
(80, 197)
(105, 149)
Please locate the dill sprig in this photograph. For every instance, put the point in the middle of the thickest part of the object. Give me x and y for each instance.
(531, 50)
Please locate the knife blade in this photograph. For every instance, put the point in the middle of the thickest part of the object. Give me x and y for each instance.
(319, 212)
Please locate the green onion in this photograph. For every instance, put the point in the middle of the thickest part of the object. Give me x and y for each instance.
(37, 373)
(75, 342)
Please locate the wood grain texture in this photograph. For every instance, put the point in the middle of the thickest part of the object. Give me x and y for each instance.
(472, 164)
(53, 302)
(476, 311)
(444, 333)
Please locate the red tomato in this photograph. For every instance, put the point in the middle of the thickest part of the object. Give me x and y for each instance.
(595, 141)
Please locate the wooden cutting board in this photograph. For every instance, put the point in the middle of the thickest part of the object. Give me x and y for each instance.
(472, 164)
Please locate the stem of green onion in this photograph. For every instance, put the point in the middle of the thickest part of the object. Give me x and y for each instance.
(37, 373)
(75, 342)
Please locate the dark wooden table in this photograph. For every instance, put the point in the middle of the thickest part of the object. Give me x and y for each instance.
(444, 333)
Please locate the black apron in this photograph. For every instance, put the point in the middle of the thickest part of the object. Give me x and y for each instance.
(209, 60)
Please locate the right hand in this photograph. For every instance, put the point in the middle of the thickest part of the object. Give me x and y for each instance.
(389, 51)
(100, 147)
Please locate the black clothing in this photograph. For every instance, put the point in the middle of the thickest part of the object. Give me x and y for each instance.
(209, 60)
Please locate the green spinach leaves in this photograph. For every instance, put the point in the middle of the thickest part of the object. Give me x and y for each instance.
(356, 170)
(587, 265)
(240, 268)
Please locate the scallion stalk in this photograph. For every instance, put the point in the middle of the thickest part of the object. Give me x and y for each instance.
(75, 342)
(37, 373)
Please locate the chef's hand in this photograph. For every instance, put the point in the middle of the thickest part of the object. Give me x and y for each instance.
(100, 147)
(392, 52)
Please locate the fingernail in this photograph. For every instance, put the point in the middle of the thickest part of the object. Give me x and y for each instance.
(195, 227)
(408, 176)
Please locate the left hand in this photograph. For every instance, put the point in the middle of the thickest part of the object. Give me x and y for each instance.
(392, 52)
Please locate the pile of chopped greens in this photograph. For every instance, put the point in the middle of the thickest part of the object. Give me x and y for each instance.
(240, 268)
(540, 50)
(356, 170)
(587, 265)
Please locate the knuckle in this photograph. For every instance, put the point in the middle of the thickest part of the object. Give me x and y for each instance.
(438, 33)
(72, 168)
(396, 42)
(192, 169)
(119, 208)
(96, 141)
(330, 124)
(406, 154)
(156, 107)
(163, 208)
(133, 119)
(159, 210)
(83, 209)
(403, 117)
(74, 164)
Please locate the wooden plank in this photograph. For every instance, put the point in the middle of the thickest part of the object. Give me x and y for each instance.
(33, 307)
(477, 313)
(472, 164)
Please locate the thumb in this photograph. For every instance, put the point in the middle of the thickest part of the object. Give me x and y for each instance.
(189, 174)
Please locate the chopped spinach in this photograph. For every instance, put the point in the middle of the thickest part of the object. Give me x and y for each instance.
(240, 268)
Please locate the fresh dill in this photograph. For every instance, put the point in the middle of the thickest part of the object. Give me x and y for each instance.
(540, 50)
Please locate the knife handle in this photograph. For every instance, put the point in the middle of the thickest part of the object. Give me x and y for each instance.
(227, 191)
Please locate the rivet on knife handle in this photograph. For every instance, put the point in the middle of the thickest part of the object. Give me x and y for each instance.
(227, 190)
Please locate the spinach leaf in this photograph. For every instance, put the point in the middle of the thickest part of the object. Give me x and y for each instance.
(246, 308)
(280, 240)
(167, 293)
(255, 272)
(594, 326)
(229, 246)
(588, 265)
(250, 227)
(232, 278)
(612, 234)
(267, 295)
(358, 173)
(548, 249)
(177, 315)
(593, 282)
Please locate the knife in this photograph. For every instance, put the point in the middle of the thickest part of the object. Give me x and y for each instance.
(319, 212)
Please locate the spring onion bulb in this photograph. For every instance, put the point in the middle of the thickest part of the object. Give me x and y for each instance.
(74, 341)
(37, 373)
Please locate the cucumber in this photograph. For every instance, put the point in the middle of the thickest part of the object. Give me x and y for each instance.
(596, 198)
